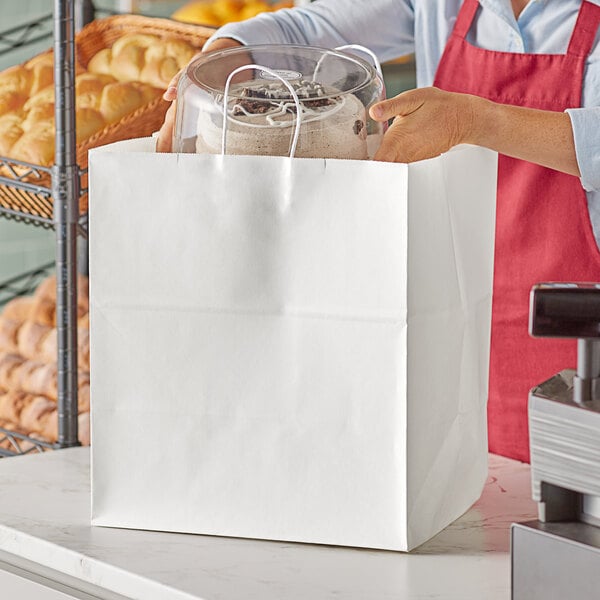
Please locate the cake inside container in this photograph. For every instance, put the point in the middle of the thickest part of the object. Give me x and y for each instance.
(333, 90)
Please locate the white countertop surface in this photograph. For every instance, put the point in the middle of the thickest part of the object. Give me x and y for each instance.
(44, 518)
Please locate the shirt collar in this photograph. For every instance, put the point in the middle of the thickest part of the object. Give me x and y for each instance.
(503, 9)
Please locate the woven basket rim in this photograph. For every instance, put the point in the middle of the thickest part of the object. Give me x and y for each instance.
(135, 123)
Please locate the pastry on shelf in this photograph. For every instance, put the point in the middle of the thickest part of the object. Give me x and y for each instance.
(219, 12)
(143, 58)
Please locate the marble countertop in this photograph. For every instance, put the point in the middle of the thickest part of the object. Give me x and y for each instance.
(44, 519)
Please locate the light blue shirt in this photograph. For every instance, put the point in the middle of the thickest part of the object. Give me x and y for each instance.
(393, 28)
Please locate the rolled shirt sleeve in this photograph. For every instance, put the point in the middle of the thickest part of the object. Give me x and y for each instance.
(586, 131)
(386, 27)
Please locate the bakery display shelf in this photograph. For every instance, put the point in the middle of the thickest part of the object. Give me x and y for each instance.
(56, 197)
(26, 194)
(26, 34)
(23, 284)
(18, 444)
(50, 197)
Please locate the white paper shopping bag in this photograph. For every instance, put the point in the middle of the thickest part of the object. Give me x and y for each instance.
(290, 349)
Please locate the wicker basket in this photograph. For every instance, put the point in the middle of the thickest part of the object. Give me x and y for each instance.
(94, 37)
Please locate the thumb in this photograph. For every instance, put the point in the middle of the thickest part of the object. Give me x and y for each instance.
(401, 105)
(171, 91)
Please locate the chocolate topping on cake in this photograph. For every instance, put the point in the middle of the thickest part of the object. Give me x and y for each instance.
(260, 100)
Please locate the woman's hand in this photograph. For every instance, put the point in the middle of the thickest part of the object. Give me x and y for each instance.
(427, 122)
(165, 135)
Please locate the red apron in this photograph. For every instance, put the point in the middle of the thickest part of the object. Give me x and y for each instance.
(543, 229)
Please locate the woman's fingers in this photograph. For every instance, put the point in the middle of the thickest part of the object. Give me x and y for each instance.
(165, 135)
(164, 143)
(427, 122)
(171, 91)
(403, 104)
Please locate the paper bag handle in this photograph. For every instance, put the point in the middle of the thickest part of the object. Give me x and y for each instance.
(365, 50)
(285, 83)
(358, 47)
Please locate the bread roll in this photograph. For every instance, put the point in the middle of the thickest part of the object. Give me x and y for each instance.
(12, 404)
(16, 79)
(45, 96)
(84, 321)
(31, 338)
(47, 347)
(9, 331)
(139, 40)
(50, 426)
(181, 51)
(47, 289)
(119, 100)
(23, 374)
(36, 146)
(128, 64)
(88, 89)
(159, 71)
(9, 371)
(43, 311)
(149, 92)
(11, 101)
(88, 122)
(40, 379)
(83, 426)
(40, 114)
(143, 58)
(83, 354)
(83, 397)
(41, 59)
(10, 132)
(36, 414)
(18, 309)
(6, 424)
(100, 62)
(43, 76)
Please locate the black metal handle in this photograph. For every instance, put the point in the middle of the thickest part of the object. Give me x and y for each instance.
(565, 310)
(572, 310)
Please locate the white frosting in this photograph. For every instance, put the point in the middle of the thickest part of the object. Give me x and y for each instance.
(337, 130)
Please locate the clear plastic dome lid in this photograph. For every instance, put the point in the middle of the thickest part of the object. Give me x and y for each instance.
(279, 101)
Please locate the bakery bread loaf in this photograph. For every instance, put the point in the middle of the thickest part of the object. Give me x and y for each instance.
(128, 64)
(84, 321)
(45, 96)
(12, 404)
(16, 79)
(47, 422)
(31, 340)
(100, 62)
(47, 289)
(10, 132)
(84, 430)
(36, 145)
(36, 415)
(9, 330)
(143, 65)
(88, 122)
(143, 58)
(11, 101)
(120, 99)
(88, 89)
(9, 371)
(33, 377)
(18, 309)
(39, 115)
(43, 311)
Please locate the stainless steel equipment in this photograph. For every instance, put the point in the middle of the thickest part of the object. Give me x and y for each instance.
(558, 556)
